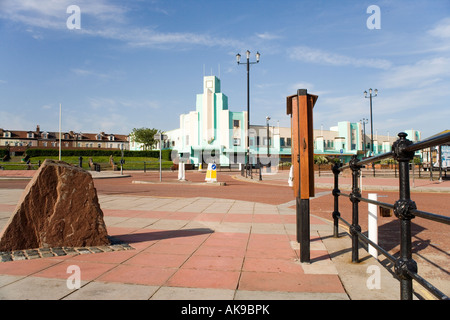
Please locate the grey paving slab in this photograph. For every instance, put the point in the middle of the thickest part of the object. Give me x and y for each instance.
(96, 290)
(278, 295)
(268, 228)
(137, 223)
(165, 224)
(179, 293)
(7, 279)
(35, 288)
(238, 227)
(10, 196)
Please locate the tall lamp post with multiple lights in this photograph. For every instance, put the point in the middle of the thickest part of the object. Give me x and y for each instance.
(371, 119)
(248, 63)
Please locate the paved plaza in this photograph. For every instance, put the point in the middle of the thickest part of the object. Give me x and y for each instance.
(196, 248)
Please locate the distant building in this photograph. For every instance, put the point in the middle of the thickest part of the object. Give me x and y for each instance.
(18, 141)
(213, 133)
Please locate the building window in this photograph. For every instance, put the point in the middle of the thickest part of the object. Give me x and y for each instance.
(99, 145)
(236, 123)
(288, 142)
(45, 144)
(236, 142)
(281, 142)
(7, 134)
(30, 135)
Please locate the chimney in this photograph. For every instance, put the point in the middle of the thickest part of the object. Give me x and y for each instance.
(38, 129)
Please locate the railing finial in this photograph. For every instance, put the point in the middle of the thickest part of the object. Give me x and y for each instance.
(398, 148)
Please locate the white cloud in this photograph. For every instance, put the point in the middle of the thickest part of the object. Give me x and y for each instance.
(52, 14)
(267, 36)
(421, 74)
(146, 37)
(442, 29)
(85, 72)
(110, 22)
(307, 54)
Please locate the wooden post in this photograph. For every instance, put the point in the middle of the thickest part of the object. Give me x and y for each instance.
(300, 107)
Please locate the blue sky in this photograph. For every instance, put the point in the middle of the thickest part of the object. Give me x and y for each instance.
(140, 63)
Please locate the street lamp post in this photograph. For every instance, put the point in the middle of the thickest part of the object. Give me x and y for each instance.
(268, 139)
(248, 63)
(364, 122)
(371, 119)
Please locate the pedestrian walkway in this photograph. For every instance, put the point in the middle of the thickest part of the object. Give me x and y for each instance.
(28, 174)
(197, 249)
(366, 182)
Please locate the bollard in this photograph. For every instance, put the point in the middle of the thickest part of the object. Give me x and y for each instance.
(181, 171)
(291, 176)
(373, 224)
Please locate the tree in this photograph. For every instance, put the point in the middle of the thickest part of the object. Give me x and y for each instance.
(146, 136)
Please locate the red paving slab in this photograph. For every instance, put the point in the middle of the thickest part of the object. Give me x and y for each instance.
(204, 278)
(258, 264)
(289, 282)
(138, 274)
(89, 270)
(26, 267)
(225, 263)
(163, 260)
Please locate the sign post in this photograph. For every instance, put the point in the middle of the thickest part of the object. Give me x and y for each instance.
(160, 137)
(211, 174)
(300, 108)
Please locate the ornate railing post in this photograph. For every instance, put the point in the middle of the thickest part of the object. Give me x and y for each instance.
(402, 210)
(354, 198)
(336, 192)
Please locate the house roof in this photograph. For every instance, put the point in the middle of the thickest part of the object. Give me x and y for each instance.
(39, 135)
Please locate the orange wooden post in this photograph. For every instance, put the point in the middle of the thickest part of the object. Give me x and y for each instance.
(300, 107)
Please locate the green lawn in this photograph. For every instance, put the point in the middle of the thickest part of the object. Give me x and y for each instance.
(131, 163)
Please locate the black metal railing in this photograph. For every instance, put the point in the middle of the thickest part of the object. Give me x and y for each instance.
(405, 209)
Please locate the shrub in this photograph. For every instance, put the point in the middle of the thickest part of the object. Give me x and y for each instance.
(165, 154)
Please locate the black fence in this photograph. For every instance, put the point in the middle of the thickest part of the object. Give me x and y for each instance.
(404, 208)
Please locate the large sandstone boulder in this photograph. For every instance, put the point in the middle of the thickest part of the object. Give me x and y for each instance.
(59, 208)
